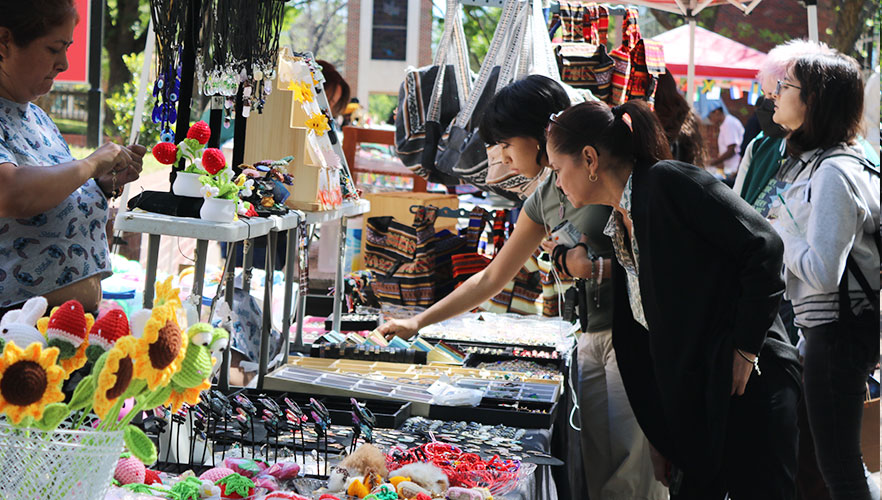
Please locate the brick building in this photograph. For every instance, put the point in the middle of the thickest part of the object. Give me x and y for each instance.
(383, 38)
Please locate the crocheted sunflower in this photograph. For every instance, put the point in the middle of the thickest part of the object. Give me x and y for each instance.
(318, 123)
(29, 381)
(161, 349)
(116, 373)
(166, 294)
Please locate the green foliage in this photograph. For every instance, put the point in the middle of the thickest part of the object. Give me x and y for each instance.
(121, 105)
(380, 106)
(66, 126)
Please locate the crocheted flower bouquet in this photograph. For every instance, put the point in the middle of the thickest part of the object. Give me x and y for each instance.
(152, 359)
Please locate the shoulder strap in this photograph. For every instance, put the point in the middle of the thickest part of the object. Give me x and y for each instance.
(872, 295)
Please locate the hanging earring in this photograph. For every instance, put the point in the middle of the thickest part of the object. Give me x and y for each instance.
(538, 147)
(592, 177)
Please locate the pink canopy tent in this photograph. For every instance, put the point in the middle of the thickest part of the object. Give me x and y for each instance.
(716, 56)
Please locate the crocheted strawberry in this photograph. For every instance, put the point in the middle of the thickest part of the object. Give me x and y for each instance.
(199, 131)
(130, 470)
(422, 496)
(67, 328)
(213, 160)
(105, 332)
(236, 486)
(165, 153)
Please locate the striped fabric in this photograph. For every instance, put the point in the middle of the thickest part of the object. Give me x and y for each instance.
(620, 75)
(572, 17)
(404, 259)
(602, 24)
(630, 28)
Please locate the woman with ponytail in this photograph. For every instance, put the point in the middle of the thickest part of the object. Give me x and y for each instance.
(711, 378)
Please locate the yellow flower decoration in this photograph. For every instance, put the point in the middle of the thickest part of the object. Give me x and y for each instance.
(189, 396)
(79, 359)
(302, 91)
(29, 381)
(161, 348)
(167, 294)
(318, 123)
(116, 375)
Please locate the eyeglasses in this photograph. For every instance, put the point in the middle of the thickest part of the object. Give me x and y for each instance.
(782, 84)
(553, 120)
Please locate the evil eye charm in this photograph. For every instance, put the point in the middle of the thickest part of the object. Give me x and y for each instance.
(167, 136)
(173, 97)
(172, 113)
(156, 116)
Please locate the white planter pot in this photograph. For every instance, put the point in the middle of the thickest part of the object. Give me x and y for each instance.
(218, 210)
(187, 185)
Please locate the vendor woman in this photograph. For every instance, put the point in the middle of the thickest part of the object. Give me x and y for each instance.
(53, 207)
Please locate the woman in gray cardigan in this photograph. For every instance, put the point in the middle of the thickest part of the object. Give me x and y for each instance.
(828, 218)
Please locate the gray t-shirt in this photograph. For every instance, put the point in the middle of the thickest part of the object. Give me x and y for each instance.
(63, 245)
(543, 207)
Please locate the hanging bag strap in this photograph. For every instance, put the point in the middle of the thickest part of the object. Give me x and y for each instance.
(453, 38)
(506, 21)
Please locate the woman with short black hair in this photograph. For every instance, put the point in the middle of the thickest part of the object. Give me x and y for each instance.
(828, 218)
(615, 452)
(53, 208)
(696, 291)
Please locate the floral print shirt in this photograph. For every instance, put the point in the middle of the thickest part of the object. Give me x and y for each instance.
(629, 258)
(63, 245)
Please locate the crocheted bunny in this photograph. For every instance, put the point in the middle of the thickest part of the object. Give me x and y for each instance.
(19, 326)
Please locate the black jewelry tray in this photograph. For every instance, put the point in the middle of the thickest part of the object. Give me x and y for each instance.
(491, 412)
(368, 353)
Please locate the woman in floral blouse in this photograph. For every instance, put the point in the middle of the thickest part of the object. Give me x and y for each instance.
(53, 208)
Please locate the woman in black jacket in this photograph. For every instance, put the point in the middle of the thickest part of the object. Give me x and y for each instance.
(697, 283)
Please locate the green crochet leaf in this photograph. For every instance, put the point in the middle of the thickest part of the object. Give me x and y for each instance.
(85, 390)
(236, 483)
(187, 489)
(139, 444)
(53, 415)
(139, 488)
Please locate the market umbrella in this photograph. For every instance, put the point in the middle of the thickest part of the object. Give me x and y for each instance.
(716, 57)
(690, 9)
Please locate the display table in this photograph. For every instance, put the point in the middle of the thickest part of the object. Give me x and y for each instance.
(289, 226)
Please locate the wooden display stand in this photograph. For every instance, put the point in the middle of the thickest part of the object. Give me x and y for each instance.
(281, 131)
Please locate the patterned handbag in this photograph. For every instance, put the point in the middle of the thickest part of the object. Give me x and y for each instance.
(430, 98)
(404, 259)
(588, 66)
(647, 63)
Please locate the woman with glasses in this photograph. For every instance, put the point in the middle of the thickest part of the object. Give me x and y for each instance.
(710, 376)
(827, 213)
(615, 453)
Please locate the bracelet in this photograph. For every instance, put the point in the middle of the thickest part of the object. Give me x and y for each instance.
(754, 361)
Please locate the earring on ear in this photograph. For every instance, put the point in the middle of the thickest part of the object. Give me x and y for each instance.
(592, 177)
(538, 147)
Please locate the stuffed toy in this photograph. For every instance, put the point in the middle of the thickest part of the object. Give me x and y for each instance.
(18, 326)
(426, 475)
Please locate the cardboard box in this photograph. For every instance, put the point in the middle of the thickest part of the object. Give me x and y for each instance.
(398, 205)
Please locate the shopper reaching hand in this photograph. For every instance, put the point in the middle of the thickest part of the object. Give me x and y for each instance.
(615, 452)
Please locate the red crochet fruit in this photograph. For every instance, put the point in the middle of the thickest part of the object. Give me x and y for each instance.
(151, 477)
(213, 160)
(165, 153)
(199, 131)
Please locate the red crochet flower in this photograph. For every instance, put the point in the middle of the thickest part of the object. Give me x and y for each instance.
(199, 131)
(213, 160)
(165, 153)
